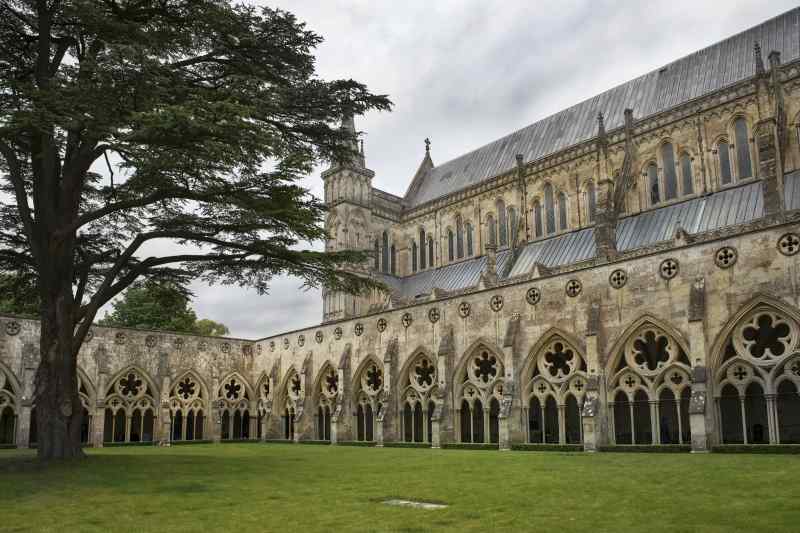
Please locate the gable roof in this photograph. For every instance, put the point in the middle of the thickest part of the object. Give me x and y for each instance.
(698, 74)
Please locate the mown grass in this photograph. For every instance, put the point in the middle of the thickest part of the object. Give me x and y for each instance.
(274, 487)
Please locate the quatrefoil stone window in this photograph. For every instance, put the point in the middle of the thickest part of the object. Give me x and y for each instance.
(496, 303)
(285, 343)
(484, 367)
(301, 340)
(433, 315)
(318, 336)
(150, 341)
(359, 329)
(424, 374)
(668, 268)
(464, 309)
(12, 328)
(331, 383)
(573, 288)
(618, 278)
(533, 296)
(726, 257)
(382, 325)
(337, 333)
(789, 244)
(407, 320)
(374, 378)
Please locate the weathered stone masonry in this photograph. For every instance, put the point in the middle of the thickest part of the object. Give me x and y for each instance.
(636, 285)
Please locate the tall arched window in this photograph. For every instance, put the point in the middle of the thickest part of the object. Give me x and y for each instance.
(450, 245)
(743, 164)
(562, 211)
(670, 174)
(512, 224)
(385, 253)
(469, 240)
(537, 219)
(413, 256)
(393, 260)
(491, 230)
(652, 184)
(377, 264)
(459, 237)
(591, 202)
(481, 384)
(502, 223)
(422, 261)
(724, 154)
(549, 209)
(686, 174)
(430, 251)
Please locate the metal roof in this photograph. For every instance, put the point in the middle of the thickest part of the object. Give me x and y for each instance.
(698, 74)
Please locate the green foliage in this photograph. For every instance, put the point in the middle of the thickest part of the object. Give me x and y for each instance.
(19, 295)
(162, 306)
(209, 328)
(469, 446)
(647, 448)
(547, 447)
(757, 448)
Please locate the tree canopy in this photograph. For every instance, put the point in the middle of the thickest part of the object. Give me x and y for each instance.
(159, 140)
(162, 306)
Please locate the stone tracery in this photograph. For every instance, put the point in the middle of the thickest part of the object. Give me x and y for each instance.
(479, 392)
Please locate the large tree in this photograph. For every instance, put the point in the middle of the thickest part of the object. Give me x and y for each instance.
(127, 123)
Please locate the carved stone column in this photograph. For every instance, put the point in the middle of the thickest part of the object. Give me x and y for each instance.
(593, 412)
(698, 417)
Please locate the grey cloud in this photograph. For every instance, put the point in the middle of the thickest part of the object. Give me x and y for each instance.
(467, 72)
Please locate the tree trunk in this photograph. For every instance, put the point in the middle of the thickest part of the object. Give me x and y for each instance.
(58, 407)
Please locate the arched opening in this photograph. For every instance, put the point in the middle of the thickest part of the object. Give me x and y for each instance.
(119, 426)
(573, 427)
(465, 419)
(422, 261)
(360, 422)
(408, 423)
(670, 172)
(668, 417)
(623, 431)
(591, 202)
(190, 419)
(477, 421)
(743, 163)
(369, 423)
(7, 425)
(562, 211)
(538, 230)
(450, 246)
(414, 253)
(418, 422)
(549, 209)
(724, 155)
(491, 230)
(686, 174)
(33, 434)
(431, 408)
(683, 411)
(459, 237)
(177, 426)
(652, 184)
(755, 413)
(385, 253)
(226, 425)
(787, 403)
(494, 421)
(730, 411)
(470, 250)
(642, 424)
(86, 424)
(535, 421)
(430, 252)
(393, 260)
(288, 424)
(551, 433)
(502, 223)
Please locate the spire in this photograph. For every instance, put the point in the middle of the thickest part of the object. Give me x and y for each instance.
(349, 126)
(427, 147)
(759, 60)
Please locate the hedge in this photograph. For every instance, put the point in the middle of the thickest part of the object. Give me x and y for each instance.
(406, 444)
(239, 441)
(757, 448)
(185, 442)
(319, 442)
(365, 444)
(647, 448)
(469, 446)
(277, 441)
(121, 444)
(547, 447)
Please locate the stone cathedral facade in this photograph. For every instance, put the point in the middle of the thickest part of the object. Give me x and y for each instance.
(625, 271)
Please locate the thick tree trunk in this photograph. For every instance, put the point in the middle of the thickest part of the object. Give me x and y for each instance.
(58, 406)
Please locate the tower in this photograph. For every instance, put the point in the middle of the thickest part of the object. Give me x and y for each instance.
(348, 195)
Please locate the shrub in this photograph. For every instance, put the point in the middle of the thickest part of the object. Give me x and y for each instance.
(469, 446)
(406, 444)
(647, 448)
(547, 447)
(757, 448)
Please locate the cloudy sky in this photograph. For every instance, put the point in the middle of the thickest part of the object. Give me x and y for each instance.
(465, 72)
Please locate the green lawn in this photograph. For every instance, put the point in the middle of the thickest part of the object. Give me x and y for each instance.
(277, 487)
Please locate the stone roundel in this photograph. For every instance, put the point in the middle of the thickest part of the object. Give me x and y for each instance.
(12, 328)
(726, 257)
(119, 338)
(89, 335)
(271, 346)
(573, 288)
(318, 336)
(285, 343)
(464, 309)
(203, 346)
(533, 296)
(359, 329)
(150, 341)
(178, 343)
(382, 324)
(496, 303)
(668, 268)
(301, 340)
(433, 315)
(337, 332)
(226, 347)
(618, 278)
(407, 320)
(789, 244)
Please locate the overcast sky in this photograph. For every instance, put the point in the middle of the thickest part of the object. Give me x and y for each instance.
(466, 72)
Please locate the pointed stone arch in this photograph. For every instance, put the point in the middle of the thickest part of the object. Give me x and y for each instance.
(234, 407)
(418, 392)
(189, 406)
(10, 395)
(478, 383)
(131, 407)
(615, 352)
(324, 395)
(368, 396)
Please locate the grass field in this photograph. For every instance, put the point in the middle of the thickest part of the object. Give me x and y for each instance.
(277, 487)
